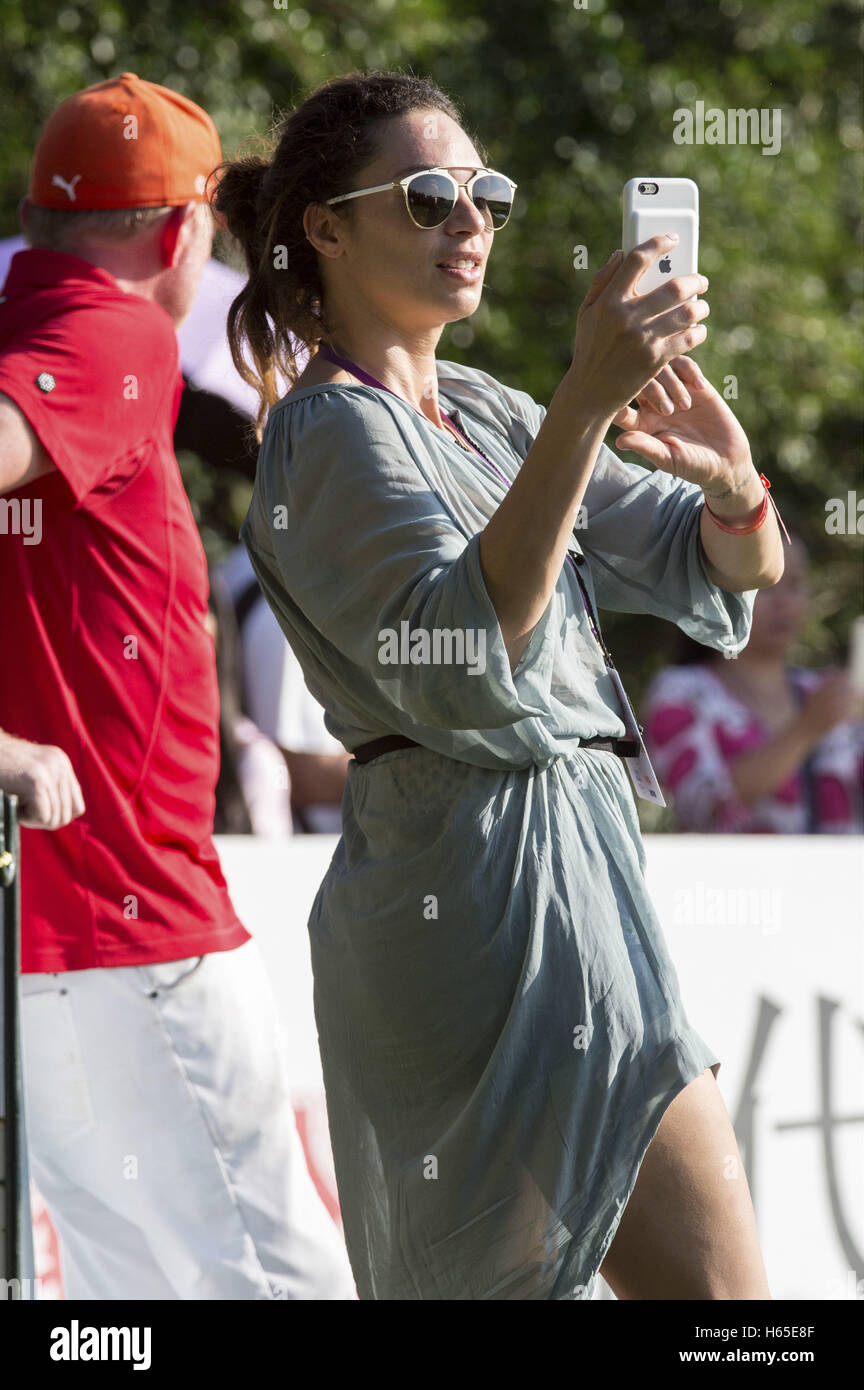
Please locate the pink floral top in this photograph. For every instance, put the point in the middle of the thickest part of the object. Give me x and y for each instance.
(694, 727)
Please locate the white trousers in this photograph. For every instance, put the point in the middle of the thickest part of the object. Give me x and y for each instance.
(162, 1136)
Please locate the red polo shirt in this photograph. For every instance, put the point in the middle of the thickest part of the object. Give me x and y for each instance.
(105, 652)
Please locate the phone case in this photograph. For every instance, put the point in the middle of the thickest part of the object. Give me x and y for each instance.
(673, 208)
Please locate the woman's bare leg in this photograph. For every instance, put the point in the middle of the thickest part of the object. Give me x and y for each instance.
(689, 1230)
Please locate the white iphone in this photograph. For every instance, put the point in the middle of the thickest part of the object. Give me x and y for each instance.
(652, 207)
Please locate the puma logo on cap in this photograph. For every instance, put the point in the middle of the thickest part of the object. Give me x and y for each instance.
(70, 187)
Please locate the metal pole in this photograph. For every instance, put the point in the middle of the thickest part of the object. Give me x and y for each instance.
(16, 1244)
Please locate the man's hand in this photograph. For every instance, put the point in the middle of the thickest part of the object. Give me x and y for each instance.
(831, 702)
(42, 778)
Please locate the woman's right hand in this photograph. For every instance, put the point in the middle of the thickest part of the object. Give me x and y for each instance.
(832, 701)
(623, 339)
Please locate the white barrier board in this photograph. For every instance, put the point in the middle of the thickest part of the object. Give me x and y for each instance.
(767, 936)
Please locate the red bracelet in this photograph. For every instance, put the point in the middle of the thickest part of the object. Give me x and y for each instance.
(754, 526)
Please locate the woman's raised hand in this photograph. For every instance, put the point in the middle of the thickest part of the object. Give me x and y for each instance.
(701, 441)
(624, 339)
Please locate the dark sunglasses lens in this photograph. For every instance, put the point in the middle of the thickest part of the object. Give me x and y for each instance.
(494, 197)
(430, 198)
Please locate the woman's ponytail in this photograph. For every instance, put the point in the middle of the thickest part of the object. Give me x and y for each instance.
(235, 202)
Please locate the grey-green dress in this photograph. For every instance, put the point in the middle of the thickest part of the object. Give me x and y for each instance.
(498, 1017)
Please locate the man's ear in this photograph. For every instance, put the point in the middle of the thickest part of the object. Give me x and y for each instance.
(23, 205)
(171, 229)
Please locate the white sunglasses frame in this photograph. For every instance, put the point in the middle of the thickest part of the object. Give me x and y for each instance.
(436, 169)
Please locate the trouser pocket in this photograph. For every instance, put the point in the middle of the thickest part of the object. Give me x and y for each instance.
(164, 977)
(58, 1101)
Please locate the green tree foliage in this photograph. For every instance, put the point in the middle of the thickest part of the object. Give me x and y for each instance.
(572, 99)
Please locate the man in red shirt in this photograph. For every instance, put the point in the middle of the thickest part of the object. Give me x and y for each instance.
(162, 1135)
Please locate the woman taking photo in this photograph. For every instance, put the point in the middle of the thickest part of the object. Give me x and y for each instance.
(516, 1097)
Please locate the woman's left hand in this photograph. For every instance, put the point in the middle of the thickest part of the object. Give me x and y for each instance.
(702, 443)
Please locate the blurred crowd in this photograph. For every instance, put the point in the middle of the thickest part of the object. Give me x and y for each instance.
(759, 745)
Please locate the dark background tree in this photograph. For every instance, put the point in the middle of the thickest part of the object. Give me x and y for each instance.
(571, 103)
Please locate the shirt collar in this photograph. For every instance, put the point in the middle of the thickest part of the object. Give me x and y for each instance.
(35, 268)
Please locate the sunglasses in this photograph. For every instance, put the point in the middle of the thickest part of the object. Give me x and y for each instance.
(432, 194)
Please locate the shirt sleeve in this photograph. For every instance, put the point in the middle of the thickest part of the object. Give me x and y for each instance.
(681, 739)
(344, 526)
(97, 384)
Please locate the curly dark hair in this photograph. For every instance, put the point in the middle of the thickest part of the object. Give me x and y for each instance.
(316, 152)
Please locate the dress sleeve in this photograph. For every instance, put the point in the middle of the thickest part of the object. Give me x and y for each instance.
(681, 738)
(641, 538)
(344, 527)
(643, 544)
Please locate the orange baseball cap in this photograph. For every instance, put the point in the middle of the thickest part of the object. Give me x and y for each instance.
(124, 143)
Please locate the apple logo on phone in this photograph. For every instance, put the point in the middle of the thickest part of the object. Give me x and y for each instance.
(665, 265)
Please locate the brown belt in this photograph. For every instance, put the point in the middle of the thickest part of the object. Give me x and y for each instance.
(623, 747)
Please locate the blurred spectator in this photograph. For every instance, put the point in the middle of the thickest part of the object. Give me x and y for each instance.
(756, 744)
(253, 793)
(278, 701)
